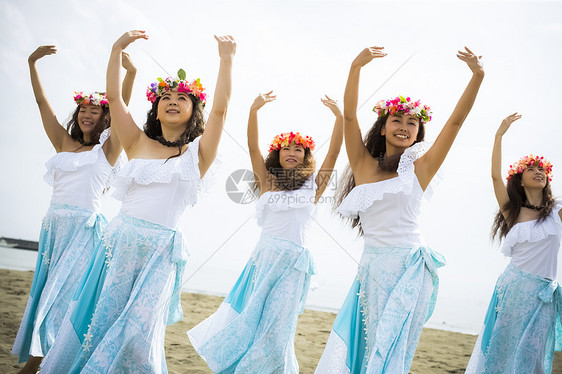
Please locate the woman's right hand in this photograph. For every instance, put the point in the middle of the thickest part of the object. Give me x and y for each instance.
(367, 55)
(506, 123)
(129, 37)
(42, 51)
(262, 99)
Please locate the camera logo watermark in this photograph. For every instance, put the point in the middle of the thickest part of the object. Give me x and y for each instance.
(239, 186)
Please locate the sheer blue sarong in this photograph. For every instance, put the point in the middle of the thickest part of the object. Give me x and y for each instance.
(118, 317)
(379, 325)
(522, 327)
(68, 237)
(253, 330)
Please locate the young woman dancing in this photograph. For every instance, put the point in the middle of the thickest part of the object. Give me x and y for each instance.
(380, 322)
(253, 331)
(522, 325)
(132, 288)
(78, 173)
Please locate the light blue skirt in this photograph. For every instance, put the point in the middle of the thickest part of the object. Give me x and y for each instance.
(379, 325)
(117, 320)
(522, 327)
(66, 243)
(253, 330)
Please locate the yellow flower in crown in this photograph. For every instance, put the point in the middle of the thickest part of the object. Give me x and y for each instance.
(285, 139)
(527, 161)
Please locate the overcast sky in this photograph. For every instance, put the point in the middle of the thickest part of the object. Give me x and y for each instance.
(301, 50)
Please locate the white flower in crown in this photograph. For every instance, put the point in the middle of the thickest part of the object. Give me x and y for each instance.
(96, 98)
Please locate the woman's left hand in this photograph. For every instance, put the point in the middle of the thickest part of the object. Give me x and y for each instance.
(332, 105)
(472, 60)
(227, 46)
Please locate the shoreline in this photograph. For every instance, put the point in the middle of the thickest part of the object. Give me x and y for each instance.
(438, 351)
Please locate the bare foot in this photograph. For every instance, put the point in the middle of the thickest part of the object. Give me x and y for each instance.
(31, 366)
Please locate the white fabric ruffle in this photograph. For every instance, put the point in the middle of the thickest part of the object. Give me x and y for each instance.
(71, 161)
(362, 197)
(146, 171)
(285, 200)
(531, 231)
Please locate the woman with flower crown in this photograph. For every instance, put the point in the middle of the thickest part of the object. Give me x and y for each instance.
(253, 331)
(522, 326)
(132, 287)
(380, 322)
(79, 173)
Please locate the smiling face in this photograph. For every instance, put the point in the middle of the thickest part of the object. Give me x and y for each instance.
(291, 156)
(88, 118)
(533, 177)
(400, 131)
(174, 108)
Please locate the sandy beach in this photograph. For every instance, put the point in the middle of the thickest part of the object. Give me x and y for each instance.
(438, 351)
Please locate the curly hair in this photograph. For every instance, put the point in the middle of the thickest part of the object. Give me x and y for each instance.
(375, 143)
(286, 179)
(76, 133)
(195, 125)
(517, 198)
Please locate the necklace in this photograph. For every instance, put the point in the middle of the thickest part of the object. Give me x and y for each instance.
(533, 207)
(177, 143)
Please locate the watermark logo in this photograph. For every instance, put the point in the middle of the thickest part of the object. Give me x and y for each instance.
(239, 186)
(240, 182)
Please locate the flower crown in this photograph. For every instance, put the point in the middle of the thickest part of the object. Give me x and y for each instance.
(530, 160)
(96, 98)
(285, 139)
(403, 105)
(179, 84)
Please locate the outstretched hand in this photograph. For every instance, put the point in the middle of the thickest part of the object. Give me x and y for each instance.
(42, 51)
(367, 55)
(506, 123)
(127, 62)
(262, 99)
(227, 46)
(129, 37)
(332, 105)
(472, 60)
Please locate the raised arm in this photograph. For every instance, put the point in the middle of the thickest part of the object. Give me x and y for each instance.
(327, 168)
(356, 150)
(428, 164)
(258, 164)
(112, 147)
(499, 187)
(55, 131)
(213, 129)
(122, 122)
(129, 79)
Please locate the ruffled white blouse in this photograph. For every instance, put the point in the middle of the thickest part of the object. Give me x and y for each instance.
(533, 246)
(79, 179)
(288, 214)
(159, 190)
(389, 209)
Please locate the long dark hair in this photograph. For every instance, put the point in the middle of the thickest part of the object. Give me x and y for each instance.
(517, 198)
(288, 179)
(376, 145)
(195, 125)
(76, 133)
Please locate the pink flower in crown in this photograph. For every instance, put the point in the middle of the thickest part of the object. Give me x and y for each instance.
(403, 105)
(180, 84)
(527, 161)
